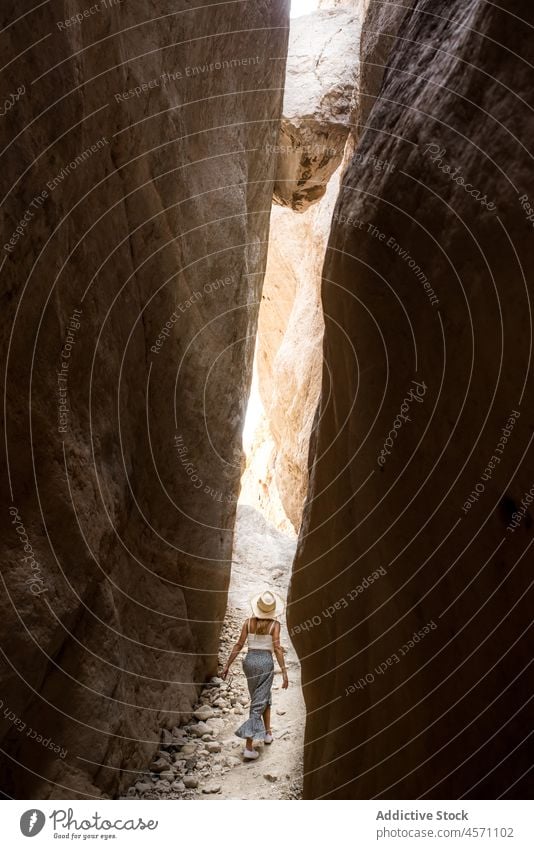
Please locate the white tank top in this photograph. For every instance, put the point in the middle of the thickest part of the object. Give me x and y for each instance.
(260, 641)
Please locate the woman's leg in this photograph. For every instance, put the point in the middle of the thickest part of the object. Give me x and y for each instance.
(248, 744)
(267, 718)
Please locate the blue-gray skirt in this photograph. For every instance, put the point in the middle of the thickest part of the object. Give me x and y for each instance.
(258, 666)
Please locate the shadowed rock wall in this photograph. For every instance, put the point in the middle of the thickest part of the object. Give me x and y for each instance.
(138, 175)
(410, 603)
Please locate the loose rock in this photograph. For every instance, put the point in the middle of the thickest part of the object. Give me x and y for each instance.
(166, 738)
(211, 788)
(159, 766)
(204, 713)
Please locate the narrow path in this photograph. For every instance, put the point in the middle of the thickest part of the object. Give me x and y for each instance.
(203, 760)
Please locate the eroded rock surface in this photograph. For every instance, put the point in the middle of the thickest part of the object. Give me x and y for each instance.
(134, 231)
(290, 331)
(380, 27)
(413, 559)
(321, 73)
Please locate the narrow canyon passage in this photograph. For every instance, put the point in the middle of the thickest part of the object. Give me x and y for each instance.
(328, 218)
(202, 759)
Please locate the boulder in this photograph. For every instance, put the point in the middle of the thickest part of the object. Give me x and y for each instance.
(167, 739)
(199, 729)
(211, 787)
(321, 75)
(159, 766)
(203, 713)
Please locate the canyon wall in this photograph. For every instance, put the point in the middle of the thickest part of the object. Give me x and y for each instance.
(137, 178)
(289, 348)
(410, 603)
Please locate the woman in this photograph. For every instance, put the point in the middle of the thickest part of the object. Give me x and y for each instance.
(262, 632)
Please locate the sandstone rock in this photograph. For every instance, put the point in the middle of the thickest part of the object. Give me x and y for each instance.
(467, 103)
(171, 210)
(190, 781)
(212, 787)
(143, 786)
(166, 738)
(188, 749)
(258, 540)
(204, 713)
(271, 776)
(167, 775)
(290, 341)
(213, 748)
(320, 79)
(381, 25)
(159, 766)
(199, 729)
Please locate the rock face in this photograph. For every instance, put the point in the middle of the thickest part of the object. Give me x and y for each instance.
(290, 331)
(413, 559)
(381, 24)
(321, 75)
(138, 176)
(319, 99)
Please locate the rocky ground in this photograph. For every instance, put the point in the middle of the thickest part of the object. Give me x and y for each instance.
(203, 760)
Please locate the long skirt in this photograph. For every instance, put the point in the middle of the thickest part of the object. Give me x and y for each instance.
(258, 666)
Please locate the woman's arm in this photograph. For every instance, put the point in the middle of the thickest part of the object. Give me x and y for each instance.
(279, 652)
(236, 649)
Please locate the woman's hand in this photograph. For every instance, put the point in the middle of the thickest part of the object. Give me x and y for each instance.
(285, 680)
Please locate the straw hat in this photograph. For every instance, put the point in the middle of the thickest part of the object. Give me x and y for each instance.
(266, 605)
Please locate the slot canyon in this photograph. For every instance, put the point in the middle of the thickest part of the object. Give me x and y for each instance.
(266, 320)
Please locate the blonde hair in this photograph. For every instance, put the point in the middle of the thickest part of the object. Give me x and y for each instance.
(262, 626)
